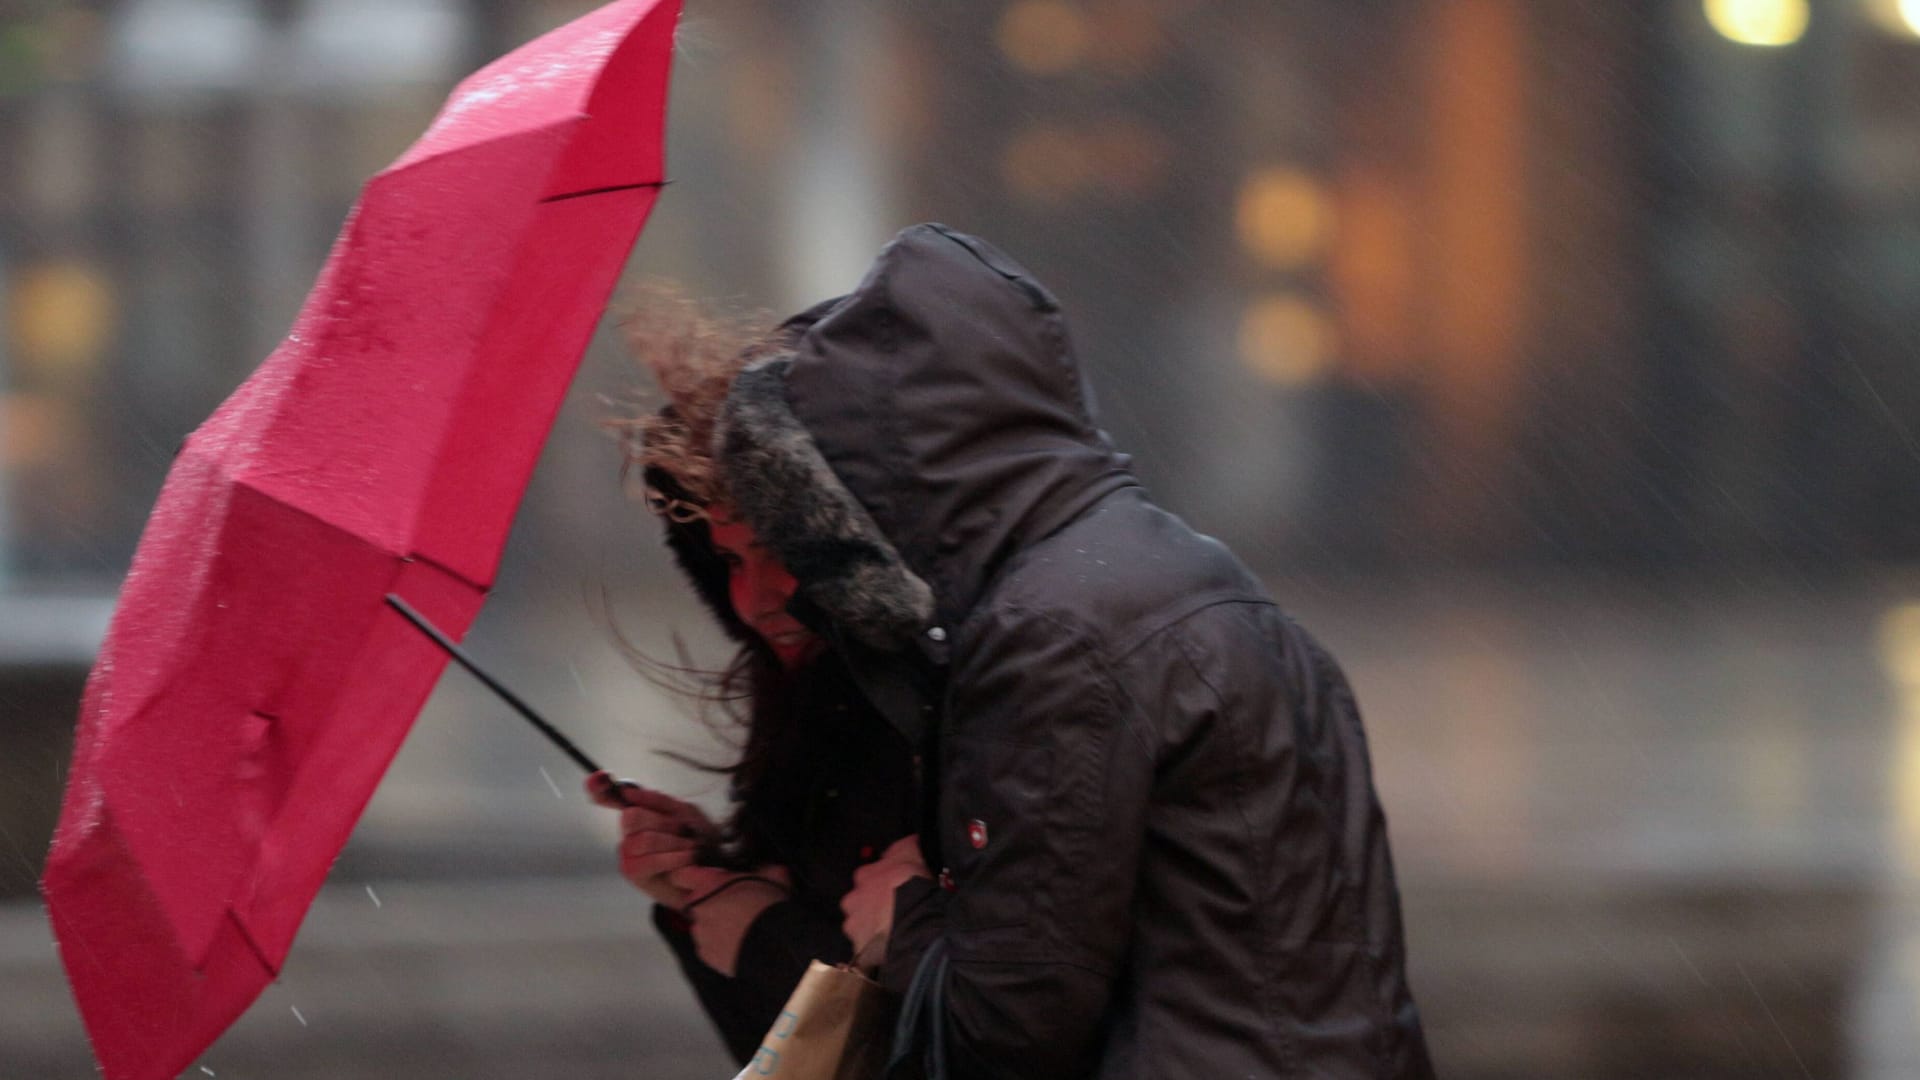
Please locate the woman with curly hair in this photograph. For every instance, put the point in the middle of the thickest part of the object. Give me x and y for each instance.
(823, 783)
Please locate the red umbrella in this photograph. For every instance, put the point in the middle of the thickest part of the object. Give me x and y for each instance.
(254, 685)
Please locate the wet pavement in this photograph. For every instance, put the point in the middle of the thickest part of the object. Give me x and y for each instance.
(525, 977)
(1643, 830)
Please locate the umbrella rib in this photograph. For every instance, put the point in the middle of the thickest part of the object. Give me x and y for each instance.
(428, 560)
(605, 190)
(246, 935)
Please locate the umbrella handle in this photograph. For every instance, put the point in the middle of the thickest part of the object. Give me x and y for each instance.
(565, 744)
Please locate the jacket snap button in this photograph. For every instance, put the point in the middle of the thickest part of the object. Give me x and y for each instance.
(937, 634)
(946, 879)
(977, 833)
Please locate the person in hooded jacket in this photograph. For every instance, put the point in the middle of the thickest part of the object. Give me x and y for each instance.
(822, 784)
(1149, 843)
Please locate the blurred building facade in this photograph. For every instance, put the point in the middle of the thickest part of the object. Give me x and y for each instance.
(1367, 284)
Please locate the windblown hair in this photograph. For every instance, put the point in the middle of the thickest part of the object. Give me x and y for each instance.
(693, 356)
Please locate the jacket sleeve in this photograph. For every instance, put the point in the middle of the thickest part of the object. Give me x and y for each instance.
(775, 952)
(1045, 768)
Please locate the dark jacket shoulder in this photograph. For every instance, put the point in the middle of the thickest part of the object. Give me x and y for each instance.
(1120, 574)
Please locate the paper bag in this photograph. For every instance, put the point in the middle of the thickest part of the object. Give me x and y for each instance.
(833, 1028)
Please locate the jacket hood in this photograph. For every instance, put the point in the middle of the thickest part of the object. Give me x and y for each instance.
(923, 429)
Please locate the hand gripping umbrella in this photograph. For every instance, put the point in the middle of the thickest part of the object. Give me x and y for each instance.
(254, 684)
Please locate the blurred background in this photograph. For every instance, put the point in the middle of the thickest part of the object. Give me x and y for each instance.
(1554, 360)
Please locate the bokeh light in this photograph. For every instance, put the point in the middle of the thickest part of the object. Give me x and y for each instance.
(1043, 37)
(1283, 218)
(1770, 23)
(1900, 656)
(1900, 646)
(60, 315)
(1286, 340)
(1901, 18)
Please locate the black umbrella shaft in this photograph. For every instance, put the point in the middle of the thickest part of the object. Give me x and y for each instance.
(565, 744)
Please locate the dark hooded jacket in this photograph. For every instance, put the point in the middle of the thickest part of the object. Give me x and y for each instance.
(1158, 845)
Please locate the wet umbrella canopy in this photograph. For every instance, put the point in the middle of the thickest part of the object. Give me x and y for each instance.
(254, 685)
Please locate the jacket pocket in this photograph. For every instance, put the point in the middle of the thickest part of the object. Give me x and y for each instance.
(994, 801)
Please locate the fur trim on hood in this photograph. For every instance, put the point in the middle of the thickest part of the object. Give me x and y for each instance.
(791, 497)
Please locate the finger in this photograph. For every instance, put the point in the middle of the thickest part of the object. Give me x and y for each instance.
(656, 811)
(638, 819)
(697, 878)
(605, 791)
(599, 787)
(691, 821)
(634, 845)
(657, 801)
(906, 849)
(660, 864)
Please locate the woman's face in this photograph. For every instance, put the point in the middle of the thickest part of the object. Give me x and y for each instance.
(760, 587)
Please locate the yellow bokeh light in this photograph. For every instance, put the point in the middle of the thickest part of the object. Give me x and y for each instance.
(1043, 37)
(1285, 340)
(1759, 22)
(1900, 655)
(1283, 218)
(1900, 644)
(61, 315)
(1898, 17)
